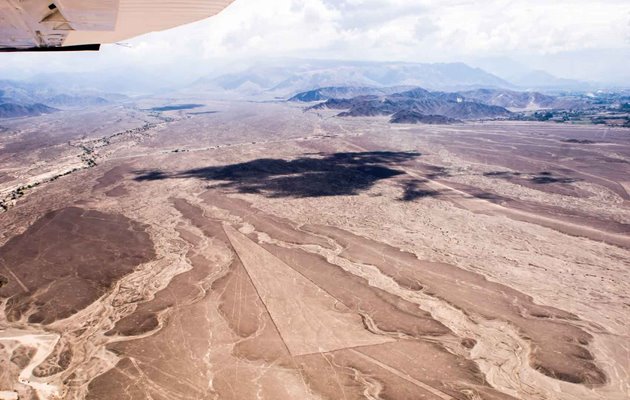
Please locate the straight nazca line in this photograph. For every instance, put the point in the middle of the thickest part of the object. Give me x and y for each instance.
(404, 376)
(308, 318)
(14, 276)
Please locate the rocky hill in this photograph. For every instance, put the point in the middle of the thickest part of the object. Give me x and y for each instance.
(418, 102)
(510, 98)
(73, 101)
(343, 92)
(12, 110)
(414, 117)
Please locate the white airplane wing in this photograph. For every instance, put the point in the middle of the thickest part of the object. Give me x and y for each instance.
(53, 25)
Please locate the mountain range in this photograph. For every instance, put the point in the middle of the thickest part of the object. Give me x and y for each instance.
(416, 105)
(286, 79)
(419, 105)
(22, 99)
(266, 79)
(497, 97)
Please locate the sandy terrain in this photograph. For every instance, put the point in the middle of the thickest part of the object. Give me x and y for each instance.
(262, 252)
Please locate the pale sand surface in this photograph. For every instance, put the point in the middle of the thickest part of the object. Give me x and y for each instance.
(281, 255)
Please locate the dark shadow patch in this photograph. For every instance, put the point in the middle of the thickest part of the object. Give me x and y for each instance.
(437, 172)
(578, 141)
(338, 174)
(150, 175)
(202, 112)
(544, 178)
(176, 107)
(416, 189)
(540, 178)
(501, 174)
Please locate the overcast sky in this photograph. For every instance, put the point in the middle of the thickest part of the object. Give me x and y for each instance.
(582, 39)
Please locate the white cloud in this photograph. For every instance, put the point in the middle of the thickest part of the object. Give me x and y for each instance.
(409, 30)
(391, 27)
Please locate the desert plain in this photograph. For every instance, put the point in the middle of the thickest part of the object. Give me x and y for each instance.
(241, 250)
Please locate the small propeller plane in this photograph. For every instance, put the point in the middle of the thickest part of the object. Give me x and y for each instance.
(73, 25)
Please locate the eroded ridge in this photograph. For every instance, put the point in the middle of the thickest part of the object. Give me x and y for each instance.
(560, 348)
(263, 330)
(416, 281)
(59, 267)
(359, 323)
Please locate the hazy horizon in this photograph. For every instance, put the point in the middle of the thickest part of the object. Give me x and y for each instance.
(568, 39)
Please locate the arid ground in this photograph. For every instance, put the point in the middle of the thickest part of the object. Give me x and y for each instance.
(257, 251)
